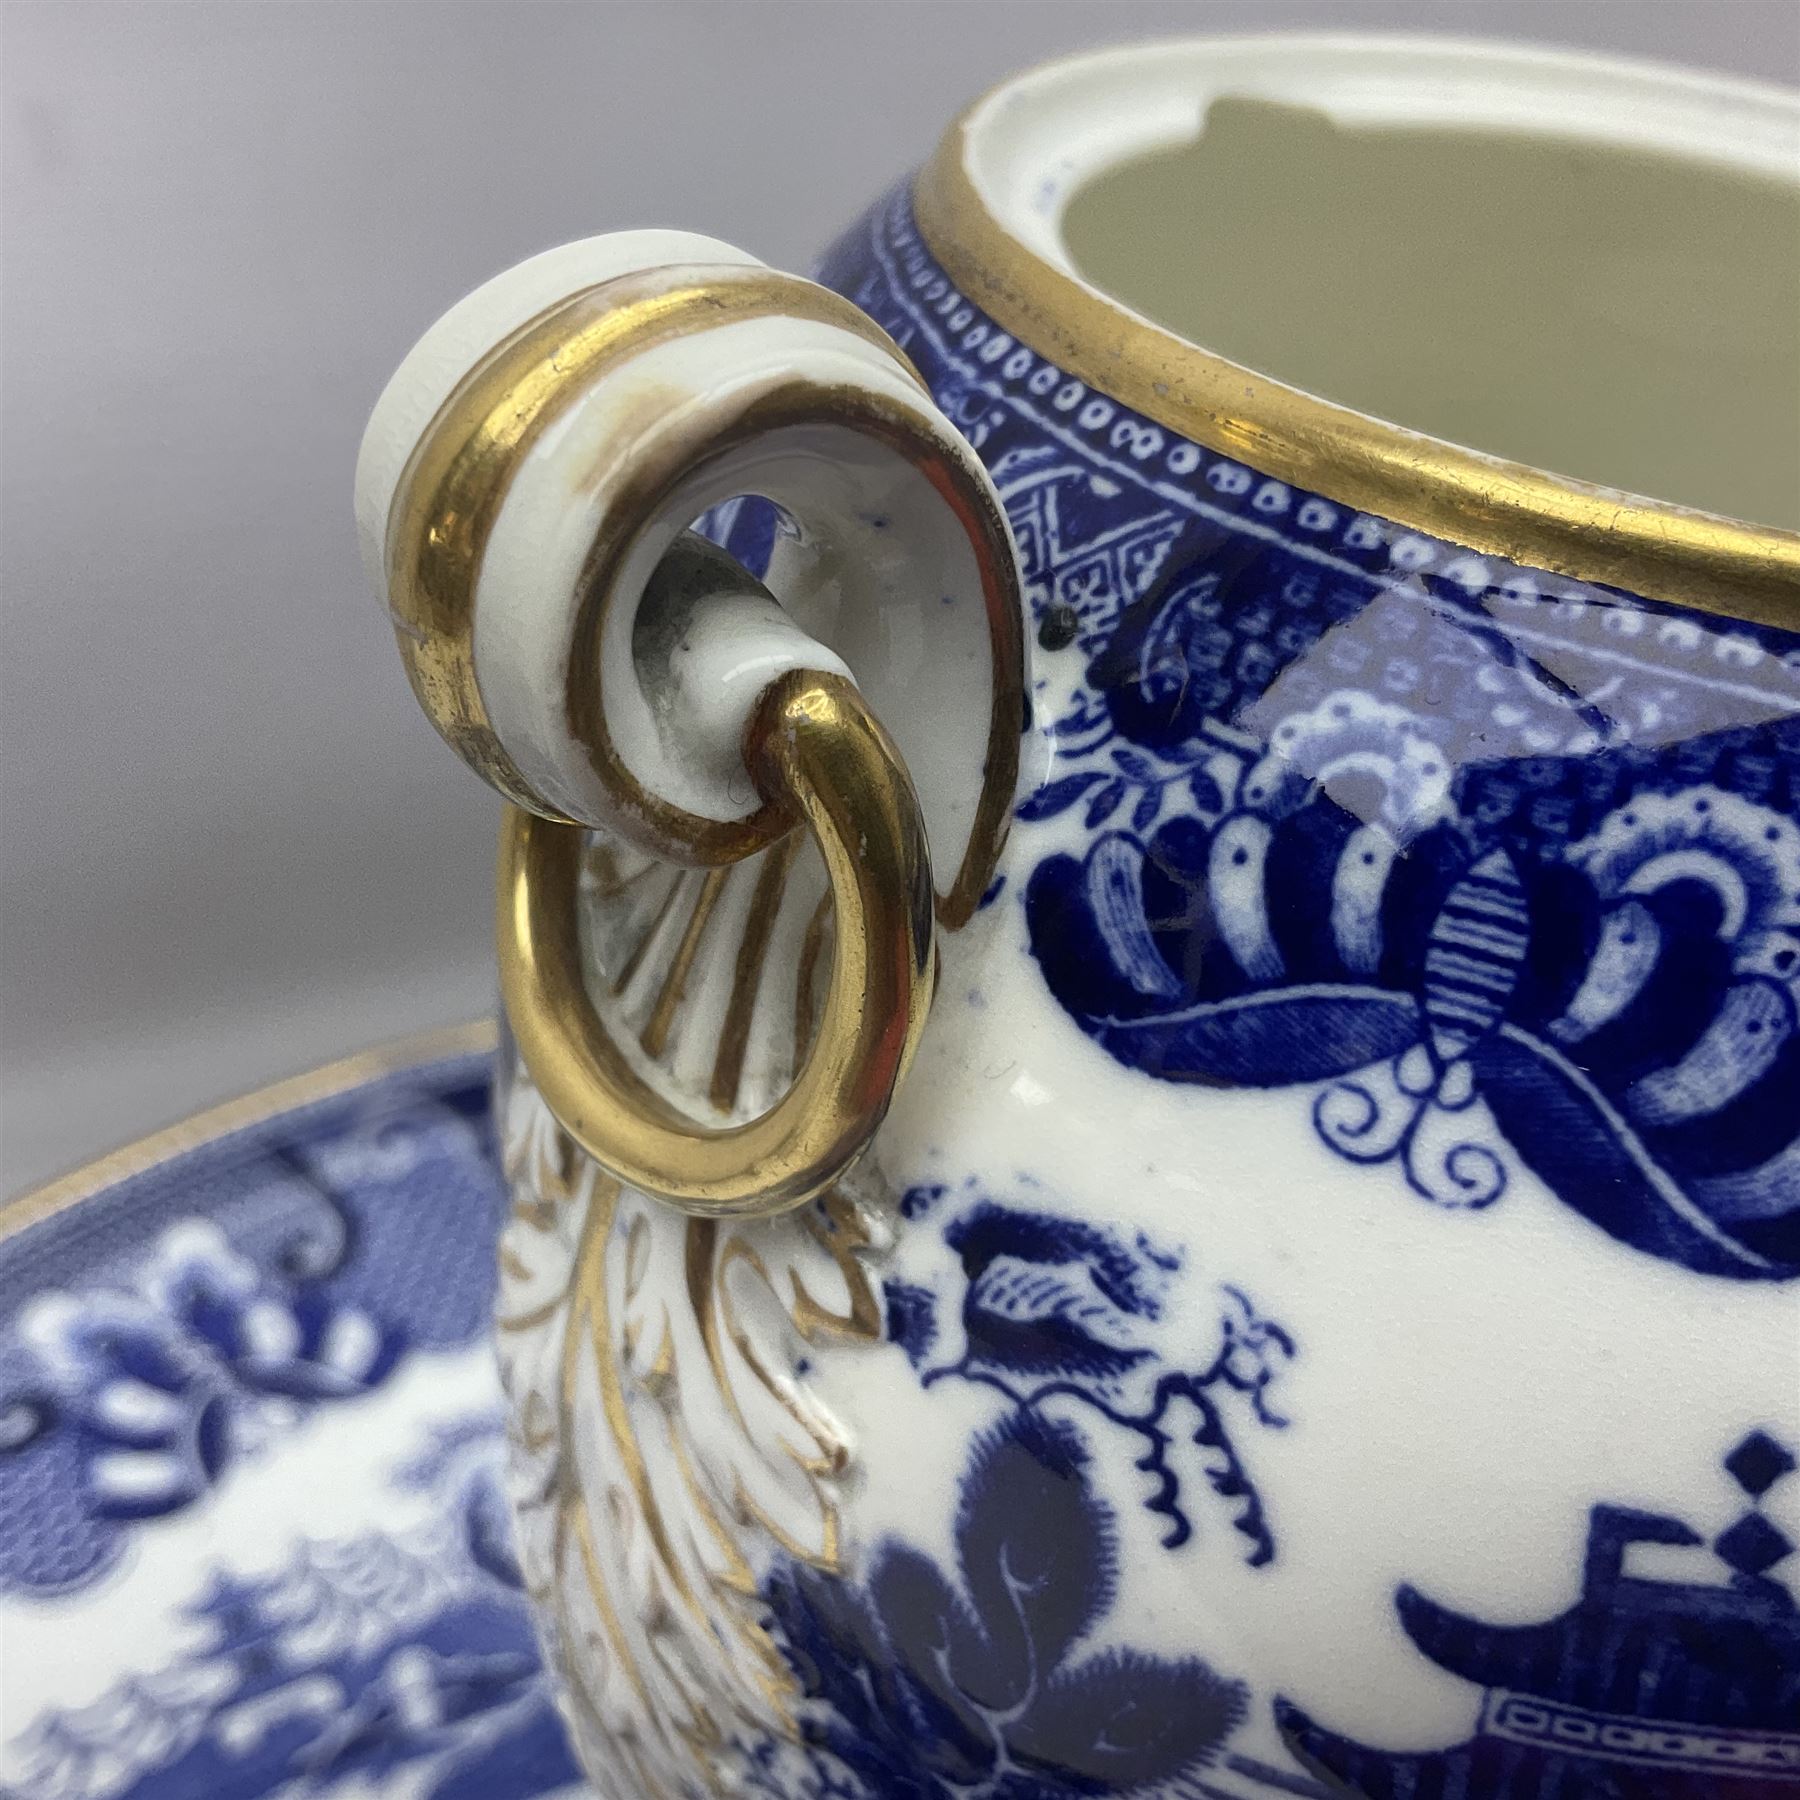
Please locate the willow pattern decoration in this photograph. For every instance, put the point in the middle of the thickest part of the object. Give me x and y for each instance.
(667, 1445)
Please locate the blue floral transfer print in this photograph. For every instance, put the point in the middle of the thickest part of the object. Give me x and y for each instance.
(1496, 869)
(1010, 1670)
(1011, 1673)
(262, 1276)
(1056, 1309)
(195, 1327)
(163, 1385)
(1618, 1014)
(932, 1684)
(360, 1665)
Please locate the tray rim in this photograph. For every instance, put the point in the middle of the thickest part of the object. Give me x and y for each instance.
(290, 1093)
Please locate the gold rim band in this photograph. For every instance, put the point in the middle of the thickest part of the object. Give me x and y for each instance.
(1663, 552)
(817, 753)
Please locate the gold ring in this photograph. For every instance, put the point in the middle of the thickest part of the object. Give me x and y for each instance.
(814, 750)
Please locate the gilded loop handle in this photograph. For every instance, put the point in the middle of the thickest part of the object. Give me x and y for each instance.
(525, 492)
(815, 750)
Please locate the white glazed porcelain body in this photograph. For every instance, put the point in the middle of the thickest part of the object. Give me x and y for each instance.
(1320, 1316)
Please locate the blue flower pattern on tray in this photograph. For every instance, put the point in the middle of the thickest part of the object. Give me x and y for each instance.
(203, 1335)
(1499, 869)
(172, 1332)
(358, 1661)
(163, 1386)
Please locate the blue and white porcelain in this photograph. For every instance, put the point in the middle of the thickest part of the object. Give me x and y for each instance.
(1321, 1316)
(251, 1534)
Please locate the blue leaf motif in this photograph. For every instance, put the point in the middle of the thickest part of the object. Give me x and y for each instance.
(1058, 796)
(923, 1693)
(215, 1319)
(212, 1438)
(1268, 1039)
(1587, 1154)
(130, 1351)
(877, 1664)
(1105, 803)
(841, 1656)
(1123, 1719)
(955, 1675)
(1035, 1547)
(1206, 792)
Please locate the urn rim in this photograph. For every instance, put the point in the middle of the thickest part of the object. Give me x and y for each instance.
(988, 204)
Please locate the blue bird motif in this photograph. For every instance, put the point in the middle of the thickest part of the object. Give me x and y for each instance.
(1056, 1310)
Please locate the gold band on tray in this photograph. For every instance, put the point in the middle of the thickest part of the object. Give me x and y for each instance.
(819, 755)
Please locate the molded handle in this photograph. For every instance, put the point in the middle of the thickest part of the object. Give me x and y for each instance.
(525, 493)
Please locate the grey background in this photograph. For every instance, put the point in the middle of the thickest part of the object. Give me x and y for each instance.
(230, 847)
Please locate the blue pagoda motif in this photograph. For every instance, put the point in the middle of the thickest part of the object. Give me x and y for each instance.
(1644, 1689)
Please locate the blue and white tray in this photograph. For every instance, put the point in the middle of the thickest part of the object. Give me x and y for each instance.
(251, 1537)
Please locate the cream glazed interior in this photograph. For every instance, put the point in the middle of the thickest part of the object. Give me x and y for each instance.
(1582, 264)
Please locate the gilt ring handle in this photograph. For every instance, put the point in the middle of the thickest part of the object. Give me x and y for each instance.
(819, 755)
(526, 483)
